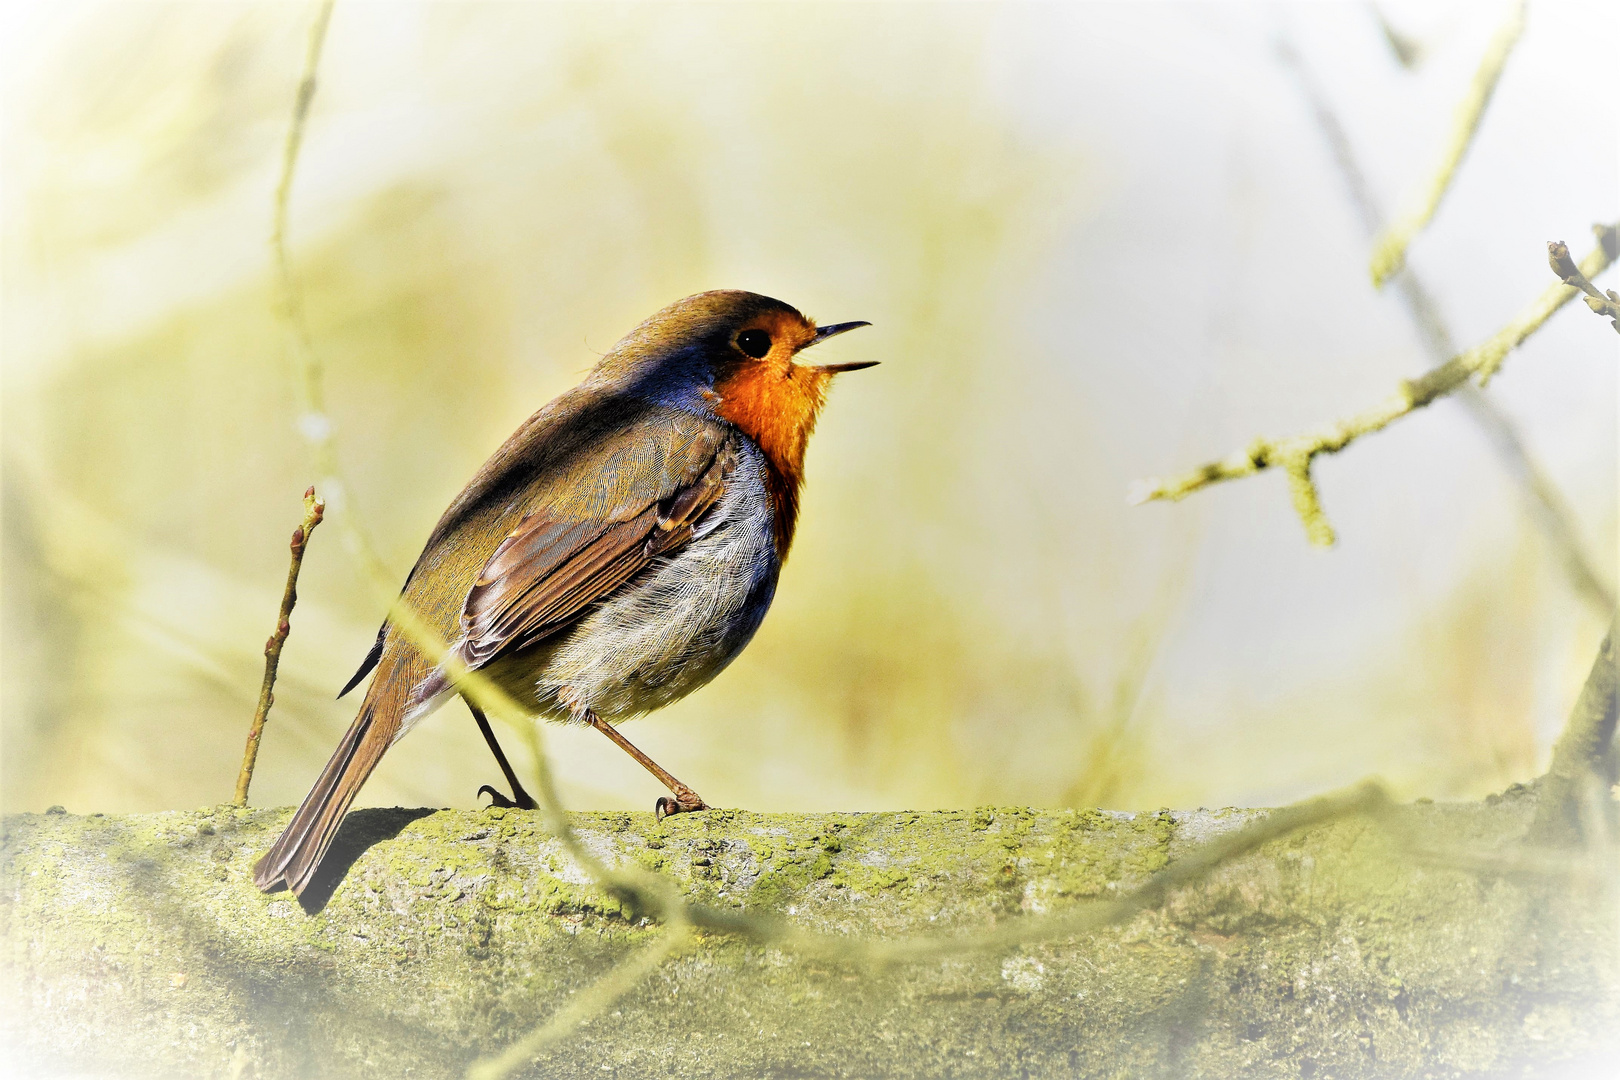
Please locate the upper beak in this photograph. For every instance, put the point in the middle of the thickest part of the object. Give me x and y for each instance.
(825, 332)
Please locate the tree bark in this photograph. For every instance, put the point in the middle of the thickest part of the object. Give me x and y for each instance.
(1428, 941)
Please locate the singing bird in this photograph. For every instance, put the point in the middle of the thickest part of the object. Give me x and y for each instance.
(615, 554)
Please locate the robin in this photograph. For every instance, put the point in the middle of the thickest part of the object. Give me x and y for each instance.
(615, 554)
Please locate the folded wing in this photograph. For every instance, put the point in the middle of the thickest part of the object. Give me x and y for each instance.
(554, 565)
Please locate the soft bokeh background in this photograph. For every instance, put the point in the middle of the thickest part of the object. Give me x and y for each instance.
(1097, 242)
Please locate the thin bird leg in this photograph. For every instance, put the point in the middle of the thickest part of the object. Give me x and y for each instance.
(520, 798)
(685, 801)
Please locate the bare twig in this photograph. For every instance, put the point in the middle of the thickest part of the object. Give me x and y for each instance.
(1546, 505)
(1605, 304)
(314, 510)
(1389, 251)
(1295, 454)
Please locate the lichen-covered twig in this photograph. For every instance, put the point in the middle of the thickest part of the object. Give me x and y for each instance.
(1295, 454)
(1545, 503)
(1605, 304)
(1389, 251)
(314, 510)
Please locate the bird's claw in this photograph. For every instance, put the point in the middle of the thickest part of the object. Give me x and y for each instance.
(522, 802)
(686, 801)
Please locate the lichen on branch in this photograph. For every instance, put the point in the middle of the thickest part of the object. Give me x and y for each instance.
(138, 947)
(1296, 453)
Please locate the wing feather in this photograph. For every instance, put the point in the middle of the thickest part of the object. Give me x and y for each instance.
(553, 566)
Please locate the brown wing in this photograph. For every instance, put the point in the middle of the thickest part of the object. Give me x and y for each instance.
(552, 567)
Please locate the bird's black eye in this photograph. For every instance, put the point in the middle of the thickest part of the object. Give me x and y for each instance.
(755, 343)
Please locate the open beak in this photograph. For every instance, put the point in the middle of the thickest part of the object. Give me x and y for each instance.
(825, 332)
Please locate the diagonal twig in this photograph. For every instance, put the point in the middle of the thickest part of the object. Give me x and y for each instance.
(1389, 250)
(1295, 454)
(314, 423)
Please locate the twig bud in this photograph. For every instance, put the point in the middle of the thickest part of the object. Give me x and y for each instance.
(309, 492)
(1562, 265)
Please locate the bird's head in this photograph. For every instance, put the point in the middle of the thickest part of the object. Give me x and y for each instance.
(736, 355)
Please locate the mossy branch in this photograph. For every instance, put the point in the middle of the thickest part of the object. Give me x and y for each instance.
(143, 950)
(1389, 250)
(1295, 454)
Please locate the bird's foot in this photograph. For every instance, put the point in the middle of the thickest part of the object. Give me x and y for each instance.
(685, 802)
(521, 802)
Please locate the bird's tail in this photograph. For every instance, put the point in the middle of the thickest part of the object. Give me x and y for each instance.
(296, 854)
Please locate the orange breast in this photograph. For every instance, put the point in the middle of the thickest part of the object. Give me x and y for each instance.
(777, 408)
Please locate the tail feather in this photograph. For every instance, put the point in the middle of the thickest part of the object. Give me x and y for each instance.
(296, 854)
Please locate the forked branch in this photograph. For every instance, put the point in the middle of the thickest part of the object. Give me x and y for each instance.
(1296, 454)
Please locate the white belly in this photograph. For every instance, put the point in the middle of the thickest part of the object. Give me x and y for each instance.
(679, 622)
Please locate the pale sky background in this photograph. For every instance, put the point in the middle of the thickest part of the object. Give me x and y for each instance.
(1097, 242)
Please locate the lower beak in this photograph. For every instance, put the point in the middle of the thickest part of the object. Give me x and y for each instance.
(825, 332)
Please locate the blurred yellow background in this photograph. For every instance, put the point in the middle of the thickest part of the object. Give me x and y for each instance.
(1097, 242)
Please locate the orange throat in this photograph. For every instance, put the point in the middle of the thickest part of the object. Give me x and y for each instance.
(778, 411)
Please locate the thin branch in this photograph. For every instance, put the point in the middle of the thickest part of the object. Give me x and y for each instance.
(1545, 503)
(314, 424)
(1605, 304)
(314, 510)
(1295, 454)
(1389, 251)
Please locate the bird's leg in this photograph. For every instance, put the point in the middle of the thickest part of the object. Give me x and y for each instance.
(520, 798)
(685, 801)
